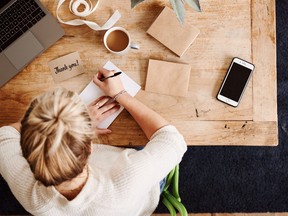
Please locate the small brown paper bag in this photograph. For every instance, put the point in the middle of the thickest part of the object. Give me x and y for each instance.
(168, 78)
(168, 31)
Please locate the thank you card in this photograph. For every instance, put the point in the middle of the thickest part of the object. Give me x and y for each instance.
(66, 67)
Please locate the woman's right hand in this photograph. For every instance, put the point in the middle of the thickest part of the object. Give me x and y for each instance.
(111, 86)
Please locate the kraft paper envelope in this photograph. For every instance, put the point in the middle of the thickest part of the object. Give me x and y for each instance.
(172, 34)
(168, 78)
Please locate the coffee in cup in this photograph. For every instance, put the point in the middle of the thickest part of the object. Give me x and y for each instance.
(117, 40)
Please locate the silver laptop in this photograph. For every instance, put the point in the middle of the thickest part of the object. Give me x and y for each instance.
(26, 30)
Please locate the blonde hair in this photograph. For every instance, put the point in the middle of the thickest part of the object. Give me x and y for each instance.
(56, 136)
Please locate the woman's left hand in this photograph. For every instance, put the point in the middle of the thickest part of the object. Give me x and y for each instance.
(100, 110)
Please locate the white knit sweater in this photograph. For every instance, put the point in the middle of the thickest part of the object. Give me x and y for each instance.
(120, 182)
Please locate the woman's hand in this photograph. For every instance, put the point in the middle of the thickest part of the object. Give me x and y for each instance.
(100, 110)
(111, 86)
(148, 120)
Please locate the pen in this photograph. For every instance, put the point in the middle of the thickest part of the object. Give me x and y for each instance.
(115, 74)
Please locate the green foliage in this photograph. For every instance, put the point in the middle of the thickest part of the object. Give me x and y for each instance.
(135, 2)
(194, 4)
(178, 7)
(172, 200)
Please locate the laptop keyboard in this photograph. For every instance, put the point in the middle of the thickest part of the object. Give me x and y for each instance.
(17, 19)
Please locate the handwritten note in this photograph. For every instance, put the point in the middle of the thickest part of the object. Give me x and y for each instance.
(92, 92)
(66, 67)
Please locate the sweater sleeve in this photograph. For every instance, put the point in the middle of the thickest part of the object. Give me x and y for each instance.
(13, 166)
(147, 167)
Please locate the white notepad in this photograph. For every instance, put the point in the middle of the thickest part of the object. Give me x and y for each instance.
(92, 92)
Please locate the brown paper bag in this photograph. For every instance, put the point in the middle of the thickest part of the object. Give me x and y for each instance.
(168, 78)
(175, 36)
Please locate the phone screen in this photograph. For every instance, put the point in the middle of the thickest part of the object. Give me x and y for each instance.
(235, 82)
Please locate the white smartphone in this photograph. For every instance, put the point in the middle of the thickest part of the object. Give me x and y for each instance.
(235, 82)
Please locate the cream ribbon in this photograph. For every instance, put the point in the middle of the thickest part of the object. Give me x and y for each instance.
(89, 9)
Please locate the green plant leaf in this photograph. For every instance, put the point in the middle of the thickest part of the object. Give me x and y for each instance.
(194, 4)
(179, 9)
(135, 2)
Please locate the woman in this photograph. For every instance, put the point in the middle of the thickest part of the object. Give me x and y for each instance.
(53, 168)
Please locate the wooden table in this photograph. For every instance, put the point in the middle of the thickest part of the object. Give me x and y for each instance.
(229, 28)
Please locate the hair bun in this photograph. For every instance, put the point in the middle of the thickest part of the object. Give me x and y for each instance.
(56, 127)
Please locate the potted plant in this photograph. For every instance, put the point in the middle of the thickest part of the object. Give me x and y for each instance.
(177, 5)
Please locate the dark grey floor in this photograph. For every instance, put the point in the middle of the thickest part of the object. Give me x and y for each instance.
(230, 179)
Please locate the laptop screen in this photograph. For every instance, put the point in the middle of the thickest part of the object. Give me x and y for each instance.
(4, 2)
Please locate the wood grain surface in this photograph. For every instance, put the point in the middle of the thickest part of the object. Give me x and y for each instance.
(229, 28)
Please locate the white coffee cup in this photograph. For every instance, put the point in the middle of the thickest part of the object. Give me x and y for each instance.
(118, 41)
